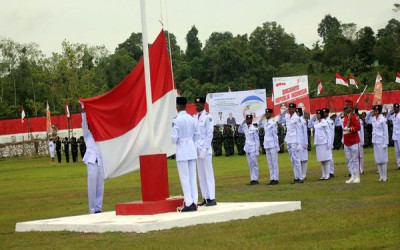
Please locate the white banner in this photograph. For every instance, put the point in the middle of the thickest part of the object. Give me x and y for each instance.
(231, 107)
(291, 89)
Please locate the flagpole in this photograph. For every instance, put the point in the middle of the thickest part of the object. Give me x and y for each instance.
(149, 100)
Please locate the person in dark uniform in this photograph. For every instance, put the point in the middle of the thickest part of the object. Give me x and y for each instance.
(66, 148)
(82, 146)
(58, 148)
(228, 140)
(217, 141)
(240, 140)
(74, 149)
(261, 134)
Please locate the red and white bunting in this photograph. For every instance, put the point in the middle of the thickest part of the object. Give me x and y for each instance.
(352, 81)
(341, 80)
(320, 89)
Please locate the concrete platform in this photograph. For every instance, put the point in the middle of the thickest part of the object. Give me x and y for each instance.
(109, 222)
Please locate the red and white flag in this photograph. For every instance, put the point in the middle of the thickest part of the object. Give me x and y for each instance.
(378, 90)
(117, 119)
(48, 119)
(229, 89)
(22, 113)
(206, 107)
(67, 110)
(352, 80)
(398, 78)
(320, 88)
(341, 80)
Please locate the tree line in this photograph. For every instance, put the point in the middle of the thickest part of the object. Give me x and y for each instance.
(241, 62)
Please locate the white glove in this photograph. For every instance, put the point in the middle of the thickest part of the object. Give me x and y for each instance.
(384, 146)
(346, 129)
(202, 153)
(278, 149)
(257, 152)
(298, 148)
(328, 147)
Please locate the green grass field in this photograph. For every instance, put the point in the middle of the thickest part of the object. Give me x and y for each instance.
(333, 215)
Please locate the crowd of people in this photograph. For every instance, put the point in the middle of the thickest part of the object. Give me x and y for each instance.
(56, 146)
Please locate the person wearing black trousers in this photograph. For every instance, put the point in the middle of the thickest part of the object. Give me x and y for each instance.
(66, 148)
(58, 149)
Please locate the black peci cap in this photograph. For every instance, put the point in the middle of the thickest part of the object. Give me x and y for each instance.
(292, 105)
(181, 100)
(199, 99)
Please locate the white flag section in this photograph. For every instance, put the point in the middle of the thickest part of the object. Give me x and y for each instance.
(352, 81)
(398, 78)
(290, 89)
(22, 114)
(231, 107)
(117, 119)
(341, 80)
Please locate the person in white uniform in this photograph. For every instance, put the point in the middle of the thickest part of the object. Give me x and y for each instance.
(394, 116)
(332, 128)
(183, 135)
(361, 135)
(50, 144)
(271, 145)
(322, 142)
(95, 170)
(251, 147)
(380, 139)
(292, 139)
(204, 136)
(303, 154)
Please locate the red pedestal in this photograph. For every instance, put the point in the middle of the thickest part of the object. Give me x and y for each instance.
(155, 190)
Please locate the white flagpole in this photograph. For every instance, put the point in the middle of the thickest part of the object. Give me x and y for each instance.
(149, 101)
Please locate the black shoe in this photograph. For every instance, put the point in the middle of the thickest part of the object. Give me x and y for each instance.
(211, 203)
(97, 212)
(275, 182)
(253, 182)
(349, 175)
(295, 181)
(271, 182)
(331, 176)
(188, 209)
(203, 203)
(194, 206)
(398, 168)
(300, 181)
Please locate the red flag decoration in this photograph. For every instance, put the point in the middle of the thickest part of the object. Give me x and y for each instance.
(207, 100)
(229, 89)
(48, 119)
(398, 78)
(67, 110)
(352, 81)
(22, 113)
(117, 119)
(320, 88)
(341, 80)
(378, 90)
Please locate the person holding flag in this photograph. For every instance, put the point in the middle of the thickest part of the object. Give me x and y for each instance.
(351, 140)
(380, 139)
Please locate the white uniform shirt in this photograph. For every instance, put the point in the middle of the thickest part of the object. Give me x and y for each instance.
(293, 127)
(395, 118)
(204, 133)
(322, 132)
(380, 134)
(361, 133)
(252, 143)
(332, 128)
(51, 146)
(270, 133)
(183, 134)
(304, 135)
(92, 154)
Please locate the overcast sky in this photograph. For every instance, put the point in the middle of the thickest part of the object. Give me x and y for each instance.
(110, 22)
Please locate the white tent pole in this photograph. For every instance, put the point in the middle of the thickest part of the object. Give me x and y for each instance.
(149, 101)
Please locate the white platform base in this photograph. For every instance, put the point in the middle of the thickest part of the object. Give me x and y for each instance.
(109, 222)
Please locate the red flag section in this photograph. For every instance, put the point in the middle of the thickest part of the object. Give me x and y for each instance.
(341, 80)
(118, 111)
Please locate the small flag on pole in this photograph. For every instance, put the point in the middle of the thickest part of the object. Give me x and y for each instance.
(320, 88)
(229, 89)
(48, 120)
(341, 80)
(398, 78)
(207, 101)
(22, 113)
(352, 81)
(378, 90)
(67, 110)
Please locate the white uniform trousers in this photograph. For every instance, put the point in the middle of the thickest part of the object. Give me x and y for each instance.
(253, 165)
(295, 159)
(187, 175)
(272, 159)
(361, 158)
(206, 177)
(352, 154)
(397, 151)
(331, 166)
(380, 153)
(95, 187)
